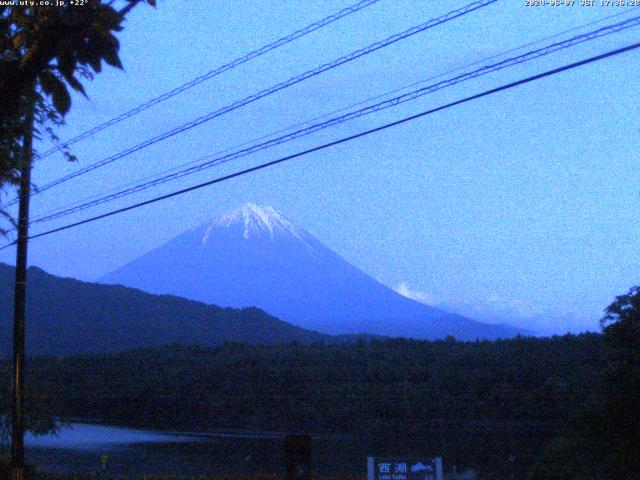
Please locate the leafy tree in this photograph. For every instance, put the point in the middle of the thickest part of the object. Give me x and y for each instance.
(621, 408)
(44, 51)
(40, 410)
(605, 440)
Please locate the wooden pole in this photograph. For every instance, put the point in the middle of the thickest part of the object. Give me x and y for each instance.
(17, 417)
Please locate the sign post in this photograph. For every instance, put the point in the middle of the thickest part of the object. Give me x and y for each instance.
(298, 457)
(404, 468)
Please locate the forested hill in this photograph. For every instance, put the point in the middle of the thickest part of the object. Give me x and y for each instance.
(477, 403)
(67, 316)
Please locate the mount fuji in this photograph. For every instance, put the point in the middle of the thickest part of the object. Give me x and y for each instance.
(255, 256)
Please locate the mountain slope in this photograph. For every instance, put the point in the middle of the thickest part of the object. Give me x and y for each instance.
(66, 316)
(254, 256)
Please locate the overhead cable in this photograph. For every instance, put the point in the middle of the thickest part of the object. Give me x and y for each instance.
(349, 138)
(269, 91)
(407, 97)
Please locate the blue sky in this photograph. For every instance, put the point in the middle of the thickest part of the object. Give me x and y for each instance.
(520, 206)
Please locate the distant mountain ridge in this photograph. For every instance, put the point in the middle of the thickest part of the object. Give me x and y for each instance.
(68, 317)
(255, 256)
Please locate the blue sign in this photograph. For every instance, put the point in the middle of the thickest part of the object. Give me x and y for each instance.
(409, 468)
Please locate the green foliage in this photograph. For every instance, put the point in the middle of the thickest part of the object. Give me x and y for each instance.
(34, 475)
(621, 406)
(476, 403)
(605, 443)
(44, 51)
(568, 458)
(39, 410)
(52, 46)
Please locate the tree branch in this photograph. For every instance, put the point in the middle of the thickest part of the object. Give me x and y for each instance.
(128, 8)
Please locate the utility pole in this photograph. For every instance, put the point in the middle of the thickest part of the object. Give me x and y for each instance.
(17, 417)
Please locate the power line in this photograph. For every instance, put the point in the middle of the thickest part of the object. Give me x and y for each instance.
(271, 90)
(410, 96)
(262, 166)
(325, 115)
(477, 62)
(214, 73)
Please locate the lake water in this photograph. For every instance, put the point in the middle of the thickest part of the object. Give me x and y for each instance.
(84, 436)
(78, 448)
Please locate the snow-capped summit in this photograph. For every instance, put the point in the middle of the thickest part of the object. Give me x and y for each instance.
(255, 256)
(256, 219)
